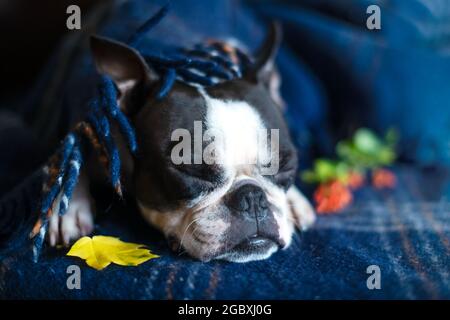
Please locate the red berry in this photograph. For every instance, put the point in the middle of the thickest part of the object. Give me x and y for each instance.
(332, 197)
(382, 178)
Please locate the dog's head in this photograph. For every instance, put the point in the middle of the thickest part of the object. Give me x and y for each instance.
(214, 164)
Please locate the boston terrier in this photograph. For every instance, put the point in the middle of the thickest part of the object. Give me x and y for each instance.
(228, 210)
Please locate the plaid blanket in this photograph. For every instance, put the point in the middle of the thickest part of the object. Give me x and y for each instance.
(405, 232)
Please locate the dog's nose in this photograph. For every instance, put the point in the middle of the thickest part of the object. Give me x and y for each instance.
(253, 225)
(249, 201)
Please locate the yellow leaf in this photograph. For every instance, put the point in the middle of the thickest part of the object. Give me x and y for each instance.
(100, 251)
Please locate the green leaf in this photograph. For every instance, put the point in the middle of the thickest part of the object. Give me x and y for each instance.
(363, 152)
(366, 141)
(386, 156)
(325, 169)
(308, 176)
(342, 171)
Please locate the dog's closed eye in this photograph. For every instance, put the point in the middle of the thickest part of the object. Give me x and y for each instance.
(285, 179)
(287, 168)
(197, 179)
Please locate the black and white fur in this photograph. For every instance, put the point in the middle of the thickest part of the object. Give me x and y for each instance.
(226, 211)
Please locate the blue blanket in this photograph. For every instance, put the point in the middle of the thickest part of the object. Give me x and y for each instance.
(336, 76)
(405, 232)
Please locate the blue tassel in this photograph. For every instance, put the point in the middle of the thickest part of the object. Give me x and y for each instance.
(173, 61)
(127, 130)
(102, 127)
(72, 178)
(108, 92)
(215, 55)
(149, 24)
(114, 165)
(190, 76)
(167, 83)
(207, 51)
(67, 148)
(39, 240)
(202, 65)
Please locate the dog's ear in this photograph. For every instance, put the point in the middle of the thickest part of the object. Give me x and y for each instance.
(264, 70)
(265, 56)
(122, 63)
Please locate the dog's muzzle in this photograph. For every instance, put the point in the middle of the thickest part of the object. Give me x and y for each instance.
(254, 230)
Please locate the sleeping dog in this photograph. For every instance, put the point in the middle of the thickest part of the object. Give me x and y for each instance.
(229, 210)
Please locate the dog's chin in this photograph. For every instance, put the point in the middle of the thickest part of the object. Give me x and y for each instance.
(253, 249)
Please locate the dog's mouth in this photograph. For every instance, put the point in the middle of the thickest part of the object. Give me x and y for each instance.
(256, 247)
(254, 244)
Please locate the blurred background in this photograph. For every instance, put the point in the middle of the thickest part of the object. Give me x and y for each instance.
(30, 31)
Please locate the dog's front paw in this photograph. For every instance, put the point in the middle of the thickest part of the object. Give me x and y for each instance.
(78, 221)
(75, 223)
(301, 209)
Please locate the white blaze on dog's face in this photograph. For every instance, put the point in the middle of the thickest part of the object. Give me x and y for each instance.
(226, 209)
